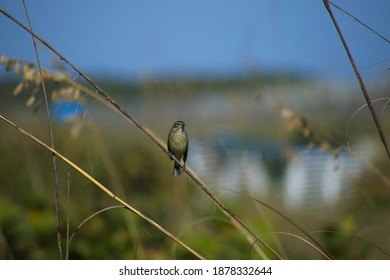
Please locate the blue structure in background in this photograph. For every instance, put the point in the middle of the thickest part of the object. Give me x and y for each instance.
(65, 111)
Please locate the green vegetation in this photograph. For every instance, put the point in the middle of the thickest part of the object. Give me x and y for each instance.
(118, 155)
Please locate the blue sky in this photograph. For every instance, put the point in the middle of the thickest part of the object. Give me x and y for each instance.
(131, 39)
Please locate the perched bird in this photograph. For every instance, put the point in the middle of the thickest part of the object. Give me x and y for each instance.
(178, 145)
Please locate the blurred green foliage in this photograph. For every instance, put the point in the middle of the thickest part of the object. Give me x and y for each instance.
(120, 157)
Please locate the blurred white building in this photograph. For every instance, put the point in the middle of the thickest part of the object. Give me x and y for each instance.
(311, 179)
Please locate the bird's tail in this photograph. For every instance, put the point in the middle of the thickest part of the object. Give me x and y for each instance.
(177, 169)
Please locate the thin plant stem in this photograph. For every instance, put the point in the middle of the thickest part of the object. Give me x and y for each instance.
(318, 245)
(304, 240)
(359, 78)
(56, 194)
(90, 217)
(359, 21)
(67, 217)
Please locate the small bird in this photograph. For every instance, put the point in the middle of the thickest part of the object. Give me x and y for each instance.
(178, 145)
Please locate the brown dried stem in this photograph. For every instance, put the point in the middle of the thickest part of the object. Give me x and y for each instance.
(359, 78)
(56, 195)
